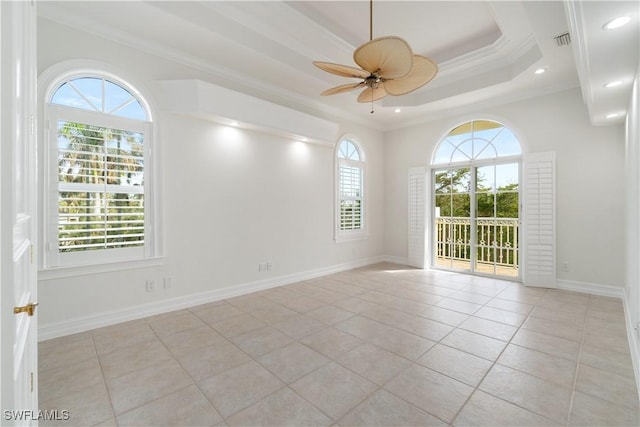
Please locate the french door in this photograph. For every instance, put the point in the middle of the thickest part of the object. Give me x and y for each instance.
(477, 218)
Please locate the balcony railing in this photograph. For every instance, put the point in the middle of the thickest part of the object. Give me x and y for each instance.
(496, 245)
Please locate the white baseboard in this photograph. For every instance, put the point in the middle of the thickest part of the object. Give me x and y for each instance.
(632, 336)
(395, 260)
(85, 323)
(591, 288)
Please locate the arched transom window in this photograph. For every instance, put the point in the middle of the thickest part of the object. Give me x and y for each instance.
(477, 140)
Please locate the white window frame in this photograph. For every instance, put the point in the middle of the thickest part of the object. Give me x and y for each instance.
(81, 262)
(362, 232)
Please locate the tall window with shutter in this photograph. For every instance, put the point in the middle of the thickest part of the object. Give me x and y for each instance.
(99, 134)
(350, 191)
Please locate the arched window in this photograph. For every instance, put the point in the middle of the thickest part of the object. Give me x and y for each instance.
(99, 204)
(476, 205)
(350, 190)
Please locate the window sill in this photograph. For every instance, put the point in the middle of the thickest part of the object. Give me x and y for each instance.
(108, 267)
(351, 238)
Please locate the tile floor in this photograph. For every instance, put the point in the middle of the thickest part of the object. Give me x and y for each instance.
(381, 345)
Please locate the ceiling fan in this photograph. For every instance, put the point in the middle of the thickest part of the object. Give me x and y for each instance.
(387, 67)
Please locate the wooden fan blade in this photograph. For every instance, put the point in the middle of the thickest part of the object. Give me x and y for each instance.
(390, 57)
(372, 94)
(422, 72)
(341, 70)
(342, 88)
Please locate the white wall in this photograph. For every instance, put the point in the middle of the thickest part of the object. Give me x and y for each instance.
(632, 194)
(231, 198)
(590, 180)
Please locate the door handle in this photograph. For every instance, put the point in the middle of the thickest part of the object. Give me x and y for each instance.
(29, 308)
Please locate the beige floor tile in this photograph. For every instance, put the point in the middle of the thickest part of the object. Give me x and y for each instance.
(248, 303)
(261, 341)
(522, 294)
(430, 391)
(132, 358)
(87, 406)
(476, 344)
(237, 325)
(605, 339)
(459, 306)
(334, 389)
(457, 364)
(590, 411)
(185, 407)
(443, 315)
(355, 305)
(550, 368)
(191, 340)
(365, 327)
(55, 383)
(273, 314)
(508, 305)
(608, 360)
(240, 387)
(330, 314)
(385, 409)
(59, 352)
(502, 316)
(292, 361)
(331, 342)
(489, 328)
(402, 343)
(282, 408)
(572, 319)
(608, 386)
(556, 328)
(486, 410)
(212, 360)
(177, 321)
(303, 304)
(470, 297)
(139, 387)
(373, 363)
(122, 335)
(549, 344)
(539, 396)
(216, 312)
(299, 326)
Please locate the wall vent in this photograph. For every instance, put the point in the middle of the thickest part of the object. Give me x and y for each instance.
(563, 39)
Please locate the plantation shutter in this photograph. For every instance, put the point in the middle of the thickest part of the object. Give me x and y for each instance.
(539, 267)
(417, 196)
(350, 189)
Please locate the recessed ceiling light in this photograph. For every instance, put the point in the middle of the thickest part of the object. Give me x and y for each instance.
(616, 23)
(540, 71)
(613, 84)
(234, 124)
(613, 115)
(397, 110)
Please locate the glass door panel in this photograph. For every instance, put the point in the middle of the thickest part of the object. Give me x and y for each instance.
(453, 218)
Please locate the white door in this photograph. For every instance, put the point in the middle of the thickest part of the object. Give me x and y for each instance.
(18, 321)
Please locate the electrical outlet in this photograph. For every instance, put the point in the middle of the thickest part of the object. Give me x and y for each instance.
(151, 285)
(565, 266)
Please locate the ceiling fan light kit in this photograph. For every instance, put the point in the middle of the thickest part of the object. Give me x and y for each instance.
(387, 67)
